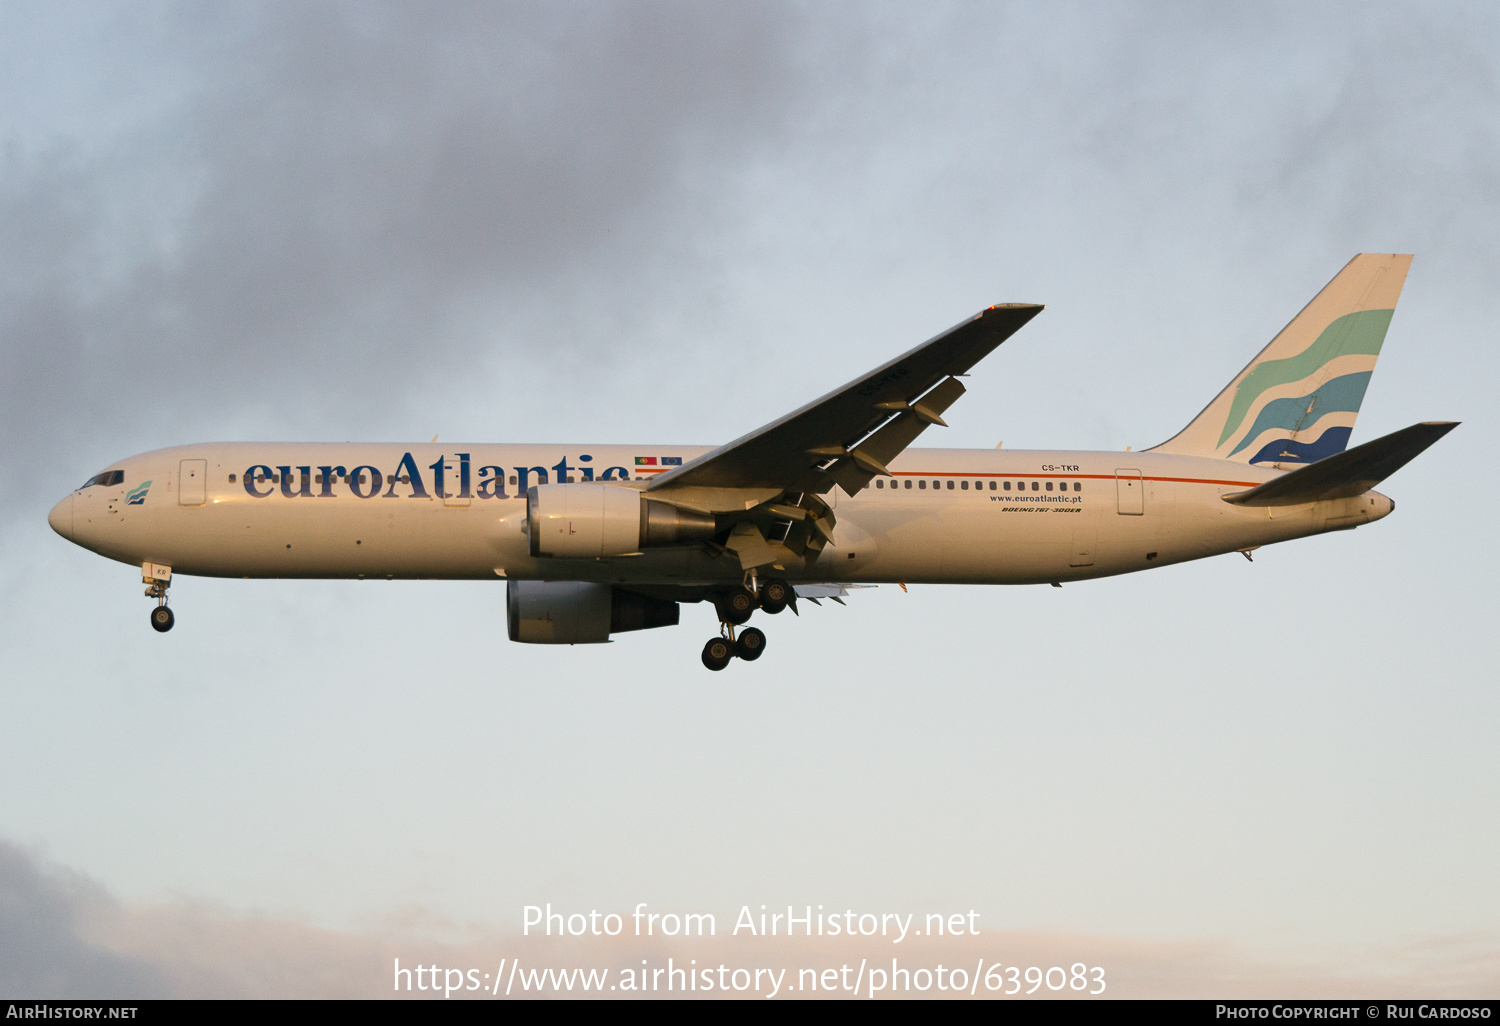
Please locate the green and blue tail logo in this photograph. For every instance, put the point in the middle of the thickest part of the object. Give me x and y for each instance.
(1296, 402)
(137, 496)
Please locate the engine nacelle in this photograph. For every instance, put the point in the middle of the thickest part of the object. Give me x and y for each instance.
(594, 520)
(580, 612)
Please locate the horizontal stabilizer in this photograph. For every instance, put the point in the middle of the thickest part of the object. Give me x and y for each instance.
(1348, 473)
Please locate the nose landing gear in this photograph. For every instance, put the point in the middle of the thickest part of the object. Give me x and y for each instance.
(158, 579)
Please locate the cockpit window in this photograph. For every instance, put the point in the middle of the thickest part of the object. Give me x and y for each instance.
(109, 477)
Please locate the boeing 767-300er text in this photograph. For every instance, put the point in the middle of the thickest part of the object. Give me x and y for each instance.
(597, 540)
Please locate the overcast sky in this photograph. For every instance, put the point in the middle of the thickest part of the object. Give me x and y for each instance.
(672, 222)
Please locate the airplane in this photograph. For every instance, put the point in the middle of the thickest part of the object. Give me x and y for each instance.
(598, 540)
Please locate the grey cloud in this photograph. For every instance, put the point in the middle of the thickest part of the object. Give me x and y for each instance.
(315, 210)
(404, 160)
(338, 182)
(42, 954)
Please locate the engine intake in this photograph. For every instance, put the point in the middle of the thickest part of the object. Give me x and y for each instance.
(580, 612)
(593, 520)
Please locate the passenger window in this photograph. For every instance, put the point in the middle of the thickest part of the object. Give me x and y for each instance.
(1007, 486)
(908, 484)
(231, 479)
(513, 480)
(921, 484)
(950, 486)
(992, 486)
(1078, 486)
(1049, 486)
(1035, 487)
(966, 486)
(879, 483)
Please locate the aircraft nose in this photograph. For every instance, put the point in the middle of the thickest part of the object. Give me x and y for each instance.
(61, 518)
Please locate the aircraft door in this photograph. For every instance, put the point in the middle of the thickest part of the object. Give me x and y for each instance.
(454, 493)
(1130, 492)
(192, 483)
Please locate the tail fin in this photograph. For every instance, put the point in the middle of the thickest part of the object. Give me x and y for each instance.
(1296, 401)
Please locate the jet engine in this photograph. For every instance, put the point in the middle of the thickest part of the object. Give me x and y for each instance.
(594, 520)
(580, 612)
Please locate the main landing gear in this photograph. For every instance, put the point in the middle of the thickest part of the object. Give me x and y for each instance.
(734, 608)
(748, 646)
(158, 579)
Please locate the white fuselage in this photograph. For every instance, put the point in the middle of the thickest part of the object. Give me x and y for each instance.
(960, 516)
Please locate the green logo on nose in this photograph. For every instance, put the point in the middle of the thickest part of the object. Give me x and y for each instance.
(137, 496)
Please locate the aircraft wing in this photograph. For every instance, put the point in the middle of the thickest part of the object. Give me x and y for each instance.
(849, 435)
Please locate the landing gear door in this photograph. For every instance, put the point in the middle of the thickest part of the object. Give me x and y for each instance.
(1084, 539)
(192, 483)
(1130, 492)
